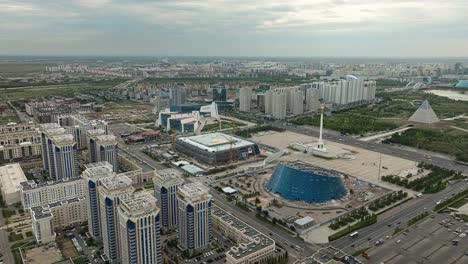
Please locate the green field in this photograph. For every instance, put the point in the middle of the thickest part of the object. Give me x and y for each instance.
(444, 140)
(67, 90)
(348, 122)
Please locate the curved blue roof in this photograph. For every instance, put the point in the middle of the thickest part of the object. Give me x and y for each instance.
(462, 84)
(309, 184)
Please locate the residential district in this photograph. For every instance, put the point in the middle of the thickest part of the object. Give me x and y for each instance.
(233, 161)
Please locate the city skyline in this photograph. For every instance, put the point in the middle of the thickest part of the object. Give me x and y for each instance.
(234, 28)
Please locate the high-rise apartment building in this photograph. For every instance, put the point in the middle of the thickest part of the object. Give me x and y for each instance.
(64, 157)
(194, 223)
(102, 147)
(139, 225)
(78, 126)
(166, 184)
(92, 175)
(91, 136)
(112, 190)
(245, 99)
(276, 103)
(312, 100)
(296, 101)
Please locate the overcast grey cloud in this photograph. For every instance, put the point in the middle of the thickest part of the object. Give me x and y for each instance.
(235, 27)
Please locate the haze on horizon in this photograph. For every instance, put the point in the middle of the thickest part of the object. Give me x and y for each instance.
(386, 28)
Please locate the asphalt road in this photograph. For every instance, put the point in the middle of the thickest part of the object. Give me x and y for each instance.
(279, 235)
(381, 229)
(418, 156)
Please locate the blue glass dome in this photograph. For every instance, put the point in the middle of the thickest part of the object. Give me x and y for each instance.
(462, 84)
(304, 182)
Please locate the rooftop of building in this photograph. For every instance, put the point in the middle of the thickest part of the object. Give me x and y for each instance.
(169, 175)
(102, 168)
(214, 142)
(95, 132)
(304, 221)
(11, 178)
(194, 192)
(116, 182)
(44, 211)
(258, 240)
(30, 185)
(63, 139)
(106, 138)
(138, 204)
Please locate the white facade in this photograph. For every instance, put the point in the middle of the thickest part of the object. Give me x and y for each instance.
(42, 225)
(276, 103)
(312, 100)
(296, 101)
(11, 177)
(245, 99)
(33, 194)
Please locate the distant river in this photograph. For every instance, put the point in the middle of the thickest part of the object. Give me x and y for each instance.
(455, 95)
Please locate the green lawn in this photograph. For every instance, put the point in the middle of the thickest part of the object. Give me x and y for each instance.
(459, 203)
(8, 213)
(15, 237)
(444, 140)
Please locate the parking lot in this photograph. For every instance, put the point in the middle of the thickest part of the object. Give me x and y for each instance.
(432, 241)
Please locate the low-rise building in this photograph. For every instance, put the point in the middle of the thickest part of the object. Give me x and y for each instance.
(45, 219)
(253, 246)
(304, 222)
(11, 178)
(40, 194)
(19, 141)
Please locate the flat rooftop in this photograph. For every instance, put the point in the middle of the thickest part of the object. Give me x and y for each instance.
(258, 240)
(11, 177)
(30, 185)
(214, 142)
(167, 175)
(194, 192)
(116, 182)
(140, 203)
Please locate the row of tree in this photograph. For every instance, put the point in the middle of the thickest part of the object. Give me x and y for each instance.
(387, 200)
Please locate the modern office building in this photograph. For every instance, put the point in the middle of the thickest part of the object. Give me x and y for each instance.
(253, 246)
(219, 93)
(245, 99)
(139, 225)
(19, 142)
(92, 175)
(194, 223)
(112, 190)
(166, 185)
(40, 194)
(11, 178)
(216, 148)
(177, 95)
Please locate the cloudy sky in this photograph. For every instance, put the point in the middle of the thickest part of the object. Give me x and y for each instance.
(388, 28)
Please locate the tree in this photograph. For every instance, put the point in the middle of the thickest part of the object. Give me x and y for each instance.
(257, 201)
